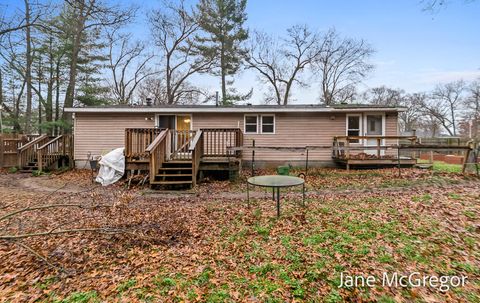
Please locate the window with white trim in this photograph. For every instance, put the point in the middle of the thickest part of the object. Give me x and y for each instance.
(353, 127)
(268, 124)
(251, 124)
(259, 124)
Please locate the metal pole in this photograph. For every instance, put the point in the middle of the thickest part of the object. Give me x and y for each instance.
(306, 165)
(273, 193)
(303, 192)
(278, 202)
(253, 158)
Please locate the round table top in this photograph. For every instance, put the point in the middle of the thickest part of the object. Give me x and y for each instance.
(275, 181)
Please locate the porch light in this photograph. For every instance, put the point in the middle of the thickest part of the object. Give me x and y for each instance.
(187, 120)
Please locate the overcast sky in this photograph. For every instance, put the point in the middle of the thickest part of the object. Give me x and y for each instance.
(414, 49)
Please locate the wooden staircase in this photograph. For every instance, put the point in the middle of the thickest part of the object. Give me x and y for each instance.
(44, 152)
(174, 172)
(173, 157)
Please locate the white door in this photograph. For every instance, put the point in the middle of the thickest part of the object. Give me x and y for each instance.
(374, 126)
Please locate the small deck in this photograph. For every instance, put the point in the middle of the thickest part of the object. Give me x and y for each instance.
(372, 151)
(181, 157)
(36, 153)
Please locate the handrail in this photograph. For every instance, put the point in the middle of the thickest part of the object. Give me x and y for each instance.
(156, 141)
(49, 142)
(32, 143)
(196, 149)
(54, 150)
(195, 140)
(375, 137)
(157, 151)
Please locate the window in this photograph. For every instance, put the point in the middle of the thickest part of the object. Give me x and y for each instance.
(268, 124)
(259, 124)
(251, 124)
(353, 127)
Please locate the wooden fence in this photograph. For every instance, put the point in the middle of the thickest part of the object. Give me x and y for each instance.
(9, 145)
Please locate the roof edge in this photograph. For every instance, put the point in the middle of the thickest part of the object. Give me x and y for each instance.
(229, 109)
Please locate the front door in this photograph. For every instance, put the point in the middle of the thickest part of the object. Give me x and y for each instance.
(183, 135)
(374, 125)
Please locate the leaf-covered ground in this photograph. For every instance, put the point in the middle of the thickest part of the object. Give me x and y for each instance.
(208, 246)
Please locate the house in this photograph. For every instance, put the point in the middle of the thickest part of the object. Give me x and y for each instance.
(270, 135)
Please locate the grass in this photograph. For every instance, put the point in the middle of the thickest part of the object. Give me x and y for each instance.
(239, 254)
(440, 166)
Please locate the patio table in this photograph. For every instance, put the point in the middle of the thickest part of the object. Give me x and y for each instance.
(275, 182)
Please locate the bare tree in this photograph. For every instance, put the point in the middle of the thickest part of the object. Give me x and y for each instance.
(281, 63)
(444, 104)
(128, 64)
(88, 15)
(173, 28)
(410, 117)
(153, 88)
(341, 65)
(472, 106)
(385, 96)
(17, 22)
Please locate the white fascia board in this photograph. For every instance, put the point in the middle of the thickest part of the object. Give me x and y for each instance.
(225, 110)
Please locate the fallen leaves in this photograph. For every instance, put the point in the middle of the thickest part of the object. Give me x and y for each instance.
(211, 247)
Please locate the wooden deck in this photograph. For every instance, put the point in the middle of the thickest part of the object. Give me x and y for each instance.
(177, 157)
(358, 151)
(30, 153)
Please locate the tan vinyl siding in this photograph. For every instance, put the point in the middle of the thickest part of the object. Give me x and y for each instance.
(97, 133)
(291, 130)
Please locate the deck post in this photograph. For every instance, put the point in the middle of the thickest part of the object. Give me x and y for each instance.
(378, 147)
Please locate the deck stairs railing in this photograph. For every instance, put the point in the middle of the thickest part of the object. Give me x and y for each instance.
(54, 150)
(174, 156)
(27, 154)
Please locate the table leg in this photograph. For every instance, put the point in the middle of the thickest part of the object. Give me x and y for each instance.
(248, 195)
(303, 192)
(278, 202)
(273, 193)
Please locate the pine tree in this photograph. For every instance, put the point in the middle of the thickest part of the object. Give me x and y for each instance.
(222, 21)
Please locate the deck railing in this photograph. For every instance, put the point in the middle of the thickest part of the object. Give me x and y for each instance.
(137, 140)
(180, 144)
(53, 150)
(157, 152)
(196, 149)
(218, 141)
(345, 146)
(28, 152)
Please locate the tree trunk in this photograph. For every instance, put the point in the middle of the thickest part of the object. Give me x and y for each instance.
(452, 111)
(57, 95)
(170, 96)
(49, 103)
(223, 75)
(72, 75)
(28, 70)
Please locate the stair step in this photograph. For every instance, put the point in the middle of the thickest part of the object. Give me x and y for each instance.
(188, 162)
(175, 168)
(171, 182)
(173, 175)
